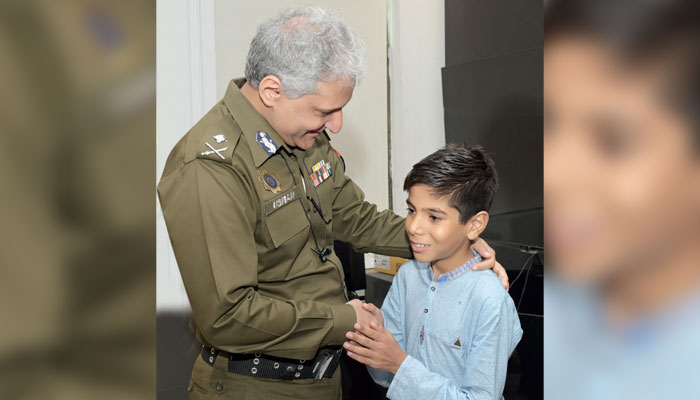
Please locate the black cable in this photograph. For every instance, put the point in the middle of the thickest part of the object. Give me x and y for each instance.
(326, 251)
(522, 292)
(526, 264)
(531, 260)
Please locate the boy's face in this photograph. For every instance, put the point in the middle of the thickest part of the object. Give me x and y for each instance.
(434, 229)
(622, 181)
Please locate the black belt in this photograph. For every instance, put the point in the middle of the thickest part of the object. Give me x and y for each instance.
(264, 366)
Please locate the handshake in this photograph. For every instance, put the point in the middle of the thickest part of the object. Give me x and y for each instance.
(366, 313)
(370, 343)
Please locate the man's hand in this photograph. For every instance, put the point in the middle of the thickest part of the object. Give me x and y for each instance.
(377, 313)
(489, 262)
(364, 317)
(375, 346)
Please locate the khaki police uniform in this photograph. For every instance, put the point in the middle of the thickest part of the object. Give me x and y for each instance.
(236, 201)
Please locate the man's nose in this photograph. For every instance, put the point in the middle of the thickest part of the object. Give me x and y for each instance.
(335, 122)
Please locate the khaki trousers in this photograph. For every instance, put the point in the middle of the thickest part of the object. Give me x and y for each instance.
(215, 382)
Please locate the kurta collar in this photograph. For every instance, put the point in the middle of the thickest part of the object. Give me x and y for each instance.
(452, 275)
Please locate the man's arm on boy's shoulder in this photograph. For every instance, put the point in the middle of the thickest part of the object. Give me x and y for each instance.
(366, 229)
(359, 222)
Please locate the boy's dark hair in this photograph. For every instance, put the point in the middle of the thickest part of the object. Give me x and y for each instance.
(464, 173)
(641, 32)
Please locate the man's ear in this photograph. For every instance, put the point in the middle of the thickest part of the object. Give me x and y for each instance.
(270, 90)
(477, 224)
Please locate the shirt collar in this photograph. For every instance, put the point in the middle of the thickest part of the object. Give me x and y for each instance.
(454, 274)
(251, 122)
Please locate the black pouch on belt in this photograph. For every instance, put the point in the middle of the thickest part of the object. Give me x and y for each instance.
(327, 363)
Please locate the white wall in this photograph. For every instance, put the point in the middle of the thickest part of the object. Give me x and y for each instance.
(417, 54)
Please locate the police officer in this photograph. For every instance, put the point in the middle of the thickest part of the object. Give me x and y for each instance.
(253, 197)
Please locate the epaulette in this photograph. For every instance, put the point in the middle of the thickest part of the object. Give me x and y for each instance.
(217, 142)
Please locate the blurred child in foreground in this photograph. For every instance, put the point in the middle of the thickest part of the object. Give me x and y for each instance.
(622, 199)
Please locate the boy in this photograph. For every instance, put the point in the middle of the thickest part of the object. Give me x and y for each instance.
(622, 194)
(448, 330)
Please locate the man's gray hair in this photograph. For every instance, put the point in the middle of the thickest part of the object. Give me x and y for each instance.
(305, 45)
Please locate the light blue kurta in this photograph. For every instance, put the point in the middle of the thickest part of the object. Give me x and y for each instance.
(655, 356)
(458, 333)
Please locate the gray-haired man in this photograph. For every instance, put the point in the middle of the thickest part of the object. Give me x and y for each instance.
(253, 197)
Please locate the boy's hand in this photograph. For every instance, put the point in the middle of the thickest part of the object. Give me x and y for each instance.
(377, 313)
(363, 316)
(375, 346)
(489, 262)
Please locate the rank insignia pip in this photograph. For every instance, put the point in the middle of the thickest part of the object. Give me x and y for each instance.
(269, 182)
(214, 151)
(266, 143)
(220, 138)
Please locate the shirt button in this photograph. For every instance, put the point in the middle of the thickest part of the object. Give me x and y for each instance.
(432, 288)
(219, 387)
(425, 310)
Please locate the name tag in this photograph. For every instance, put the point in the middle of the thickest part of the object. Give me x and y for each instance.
(280, 201)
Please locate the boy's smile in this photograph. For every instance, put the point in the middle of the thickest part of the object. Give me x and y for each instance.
(435, 231)
(419, 247)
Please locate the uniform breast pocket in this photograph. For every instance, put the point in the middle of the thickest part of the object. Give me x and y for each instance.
(285, 217)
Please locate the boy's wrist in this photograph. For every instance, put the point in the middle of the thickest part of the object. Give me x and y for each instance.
(399, 360)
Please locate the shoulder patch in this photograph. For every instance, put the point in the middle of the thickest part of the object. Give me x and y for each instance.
(266, 142)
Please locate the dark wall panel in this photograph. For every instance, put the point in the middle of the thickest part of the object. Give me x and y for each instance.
(498, 103)
(492, 93)
(479, 29)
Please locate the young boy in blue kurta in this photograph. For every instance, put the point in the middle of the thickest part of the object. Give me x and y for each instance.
(448, 330)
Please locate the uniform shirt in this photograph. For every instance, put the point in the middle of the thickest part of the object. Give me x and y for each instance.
(458, 332)
(234, 199)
